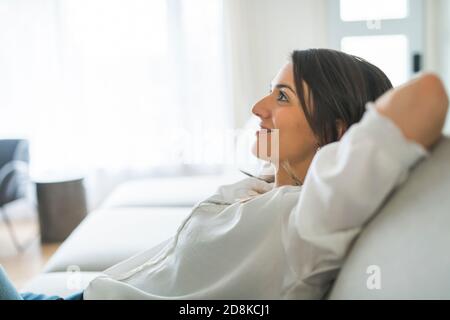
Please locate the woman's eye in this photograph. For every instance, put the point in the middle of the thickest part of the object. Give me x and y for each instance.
(282, 97)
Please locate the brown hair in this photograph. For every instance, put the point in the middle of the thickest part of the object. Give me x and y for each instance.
(339, 85)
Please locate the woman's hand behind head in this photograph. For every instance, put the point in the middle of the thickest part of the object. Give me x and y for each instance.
(418, 108)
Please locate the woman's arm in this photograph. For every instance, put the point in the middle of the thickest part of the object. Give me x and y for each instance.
(418, 109)
(348, 181)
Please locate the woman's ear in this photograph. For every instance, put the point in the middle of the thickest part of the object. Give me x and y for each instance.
(341, 128)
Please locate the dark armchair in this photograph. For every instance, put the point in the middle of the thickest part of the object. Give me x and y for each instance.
(14, 178)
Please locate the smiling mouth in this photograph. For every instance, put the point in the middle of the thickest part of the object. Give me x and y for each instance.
(266, 129)
(263, 130)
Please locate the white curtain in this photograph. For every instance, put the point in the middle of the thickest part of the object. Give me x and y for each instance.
(114, 85)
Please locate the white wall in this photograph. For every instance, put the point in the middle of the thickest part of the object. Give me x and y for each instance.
(262, 33)
(444, 48)
(437, 42)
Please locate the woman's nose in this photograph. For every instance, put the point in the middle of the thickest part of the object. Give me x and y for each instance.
(260, 110)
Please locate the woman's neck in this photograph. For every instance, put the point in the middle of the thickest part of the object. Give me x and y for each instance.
(300, 169)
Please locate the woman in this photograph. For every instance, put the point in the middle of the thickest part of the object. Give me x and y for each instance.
(287, 239)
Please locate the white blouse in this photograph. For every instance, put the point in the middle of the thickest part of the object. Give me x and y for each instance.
(284, 243)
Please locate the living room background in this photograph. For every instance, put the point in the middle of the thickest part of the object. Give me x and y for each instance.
(105, 88)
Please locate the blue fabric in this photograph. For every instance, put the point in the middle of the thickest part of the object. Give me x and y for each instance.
(75, 296)
(39, 296)
(8, 292)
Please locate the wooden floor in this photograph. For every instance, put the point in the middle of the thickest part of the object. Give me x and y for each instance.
(22, 267)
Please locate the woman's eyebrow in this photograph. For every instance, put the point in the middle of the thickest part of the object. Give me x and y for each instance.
(282, 85)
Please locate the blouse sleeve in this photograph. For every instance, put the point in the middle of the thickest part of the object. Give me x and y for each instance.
(346, 183)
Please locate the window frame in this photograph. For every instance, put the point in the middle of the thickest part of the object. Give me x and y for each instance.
(411, 27)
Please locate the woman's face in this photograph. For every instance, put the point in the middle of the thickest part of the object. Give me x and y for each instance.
(281, 110)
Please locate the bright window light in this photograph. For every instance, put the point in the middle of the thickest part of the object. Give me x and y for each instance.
(389, 53)
(360, 10)
(114, 84)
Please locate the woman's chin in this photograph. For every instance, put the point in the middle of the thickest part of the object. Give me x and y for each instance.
(255, 152)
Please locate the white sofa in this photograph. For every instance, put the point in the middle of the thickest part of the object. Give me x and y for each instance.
(408, 240)
(136, 216)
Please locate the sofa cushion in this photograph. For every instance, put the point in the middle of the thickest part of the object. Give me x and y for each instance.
(59, 283)
(168, 191)
(108, 236)
(406, 246)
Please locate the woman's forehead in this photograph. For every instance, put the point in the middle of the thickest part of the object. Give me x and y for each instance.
(284, 76)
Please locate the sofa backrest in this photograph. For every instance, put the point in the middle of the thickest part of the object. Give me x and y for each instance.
(404, 252)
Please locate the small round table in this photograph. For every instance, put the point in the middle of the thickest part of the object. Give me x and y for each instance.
(62, 206)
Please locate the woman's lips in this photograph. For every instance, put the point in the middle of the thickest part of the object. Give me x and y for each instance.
(262, 126)
(263, 130)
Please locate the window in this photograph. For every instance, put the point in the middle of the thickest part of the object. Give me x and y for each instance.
(112, 84)
(362, 10)
(387, 33)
